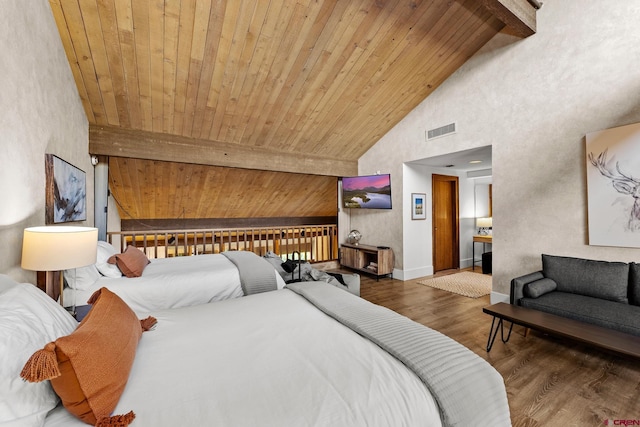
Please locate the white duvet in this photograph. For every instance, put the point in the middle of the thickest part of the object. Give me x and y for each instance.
(270, 359)
(172, 283)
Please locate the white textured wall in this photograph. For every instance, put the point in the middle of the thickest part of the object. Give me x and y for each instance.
(40, 112)
(417, 242)
(533, 100)
(416, 179)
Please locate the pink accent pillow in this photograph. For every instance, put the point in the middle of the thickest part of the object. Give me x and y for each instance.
(131, 262)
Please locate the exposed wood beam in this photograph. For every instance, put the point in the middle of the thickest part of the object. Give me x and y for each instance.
(518, 15)
(118, 142)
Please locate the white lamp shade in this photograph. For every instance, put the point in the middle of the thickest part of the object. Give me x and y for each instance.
(59, 247)
(484, 222)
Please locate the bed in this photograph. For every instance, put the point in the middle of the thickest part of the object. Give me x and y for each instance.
(307, 355)
(167, 282)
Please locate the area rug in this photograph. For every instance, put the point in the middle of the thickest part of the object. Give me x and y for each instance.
(466, 283)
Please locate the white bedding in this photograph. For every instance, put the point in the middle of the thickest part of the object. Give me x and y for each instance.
(270, 359)
(172, 283)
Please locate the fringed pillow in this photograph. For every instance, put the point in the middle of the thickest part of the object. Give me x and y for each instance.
(131, 262)
(89, 368)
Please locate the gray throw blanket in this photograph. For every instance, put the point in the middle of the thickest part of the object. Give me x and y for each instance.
(468, 390)
(256, 274)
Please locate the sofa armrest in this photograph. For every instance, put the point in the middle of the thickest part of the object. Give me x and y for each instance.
(517, 285)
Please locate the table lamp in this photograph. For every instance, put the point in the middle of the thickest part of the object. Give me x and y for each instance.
(484, 224)
(56, 248)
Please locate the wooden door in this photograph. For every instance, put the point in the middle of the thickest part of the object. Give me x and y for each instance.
(446, 238)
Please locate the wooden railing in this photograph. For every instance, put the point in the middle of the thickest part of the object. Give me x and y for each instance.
(314, 243)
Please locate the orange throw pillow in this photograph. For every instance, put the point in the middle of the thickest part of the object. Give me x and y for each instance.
(90, 368)
(131, 262)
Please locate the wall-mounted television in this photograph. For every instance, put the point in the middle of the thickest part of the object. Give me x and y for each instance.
(367, 192)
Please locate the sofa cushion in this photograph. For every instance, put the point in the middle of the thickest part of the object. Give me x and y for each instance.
(634, 283)
(539, 287)
(608, 314)
(518, 284)
(598, 279)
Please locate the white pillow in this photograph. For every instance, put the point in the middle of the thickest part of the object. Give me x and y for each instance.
(29, 319)
(82, 278)
(106, 251)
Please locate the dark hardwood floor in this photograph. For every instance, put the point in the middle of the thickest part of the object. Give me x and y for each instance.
(549, 381)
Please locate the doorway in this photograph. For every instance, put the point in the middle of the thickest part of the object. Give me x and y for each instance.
(446, 225)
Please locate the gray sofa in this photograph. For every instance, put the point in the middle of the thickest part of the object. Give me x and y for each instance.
(598, 292)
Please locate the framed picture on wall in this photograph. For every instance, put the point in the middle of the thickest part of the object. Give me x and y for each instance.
(613, 189)
(66, 191)
(418, 208)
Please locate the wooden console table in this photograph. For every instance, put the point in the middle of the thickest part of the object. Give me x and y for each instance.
(375, 260)
(560, 326)
(479, 239)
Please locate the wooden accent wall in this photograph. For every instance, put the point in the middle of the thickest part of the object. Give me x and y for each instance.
(147, 189)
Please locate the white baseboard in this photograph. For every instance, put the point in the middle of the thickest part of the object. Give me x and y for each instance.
(465, 263)
(497, 297)
(414, 273)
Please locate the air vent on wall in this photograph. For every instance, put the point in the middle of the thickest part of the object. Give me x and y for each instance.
(441, 131)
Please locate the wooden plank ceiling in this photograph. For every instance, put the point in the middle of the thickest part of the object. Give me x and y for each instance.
(274, 85)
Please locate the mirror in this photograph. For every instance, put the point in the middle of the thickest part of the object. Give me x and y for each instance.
(483, 202)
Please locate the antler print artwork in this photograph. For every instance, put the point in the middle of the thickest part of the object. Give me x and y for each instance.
(623, 184)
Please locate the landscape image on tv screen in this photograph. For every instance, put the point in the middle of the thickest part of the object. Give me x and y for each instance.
(367, 192)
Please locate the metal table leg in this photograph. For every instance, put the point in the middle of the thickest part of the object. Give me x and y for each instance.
(473, 256)
(493, 333)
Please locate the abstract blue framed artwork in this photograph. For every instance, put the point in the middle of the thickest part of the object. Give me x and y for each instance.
(66, 191)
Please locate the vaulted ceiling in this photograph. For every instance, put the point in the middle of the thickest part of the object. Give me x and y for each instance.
(296, 86)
